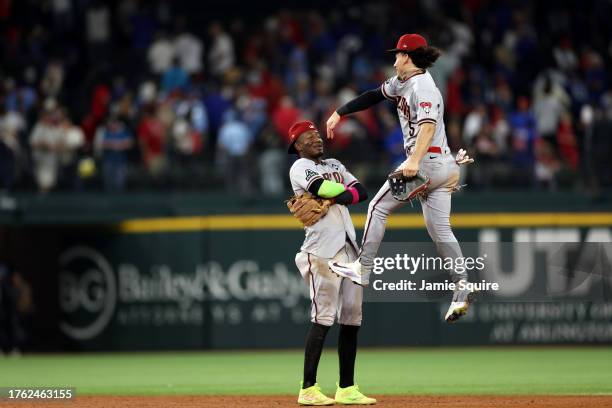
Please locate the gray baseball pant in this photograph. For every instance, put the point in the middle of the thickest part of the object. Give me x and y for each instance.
(444, 174)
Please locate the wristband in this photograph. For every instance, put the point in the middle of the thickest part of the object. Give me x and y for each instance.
(354, 193)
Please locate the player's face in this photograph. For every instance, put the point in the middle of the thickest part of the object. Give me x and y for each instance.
(401, 61)
(311, 144)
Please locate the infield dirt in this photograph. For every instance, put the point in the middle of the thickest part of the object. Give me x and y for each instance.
(395, 401)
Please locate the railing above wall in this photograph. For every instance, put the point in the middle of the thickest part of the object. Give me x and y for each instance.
(87, 208)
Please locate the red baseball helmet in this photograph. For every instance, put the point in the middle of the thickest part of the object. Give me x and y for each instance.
(409, 42)
(296, 130)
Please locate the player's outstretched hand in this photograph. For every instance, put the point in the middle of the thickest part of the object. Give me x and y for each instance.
(331, 124)
(463, 158)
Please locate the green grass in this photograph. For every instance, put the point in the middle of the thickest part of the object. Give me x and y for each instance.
(396, 371)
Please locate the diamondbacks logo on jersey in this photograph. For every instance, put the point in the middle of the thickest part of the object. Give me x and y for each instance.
(310, 174)
(337, 177)
(426, 107)
(403, 107)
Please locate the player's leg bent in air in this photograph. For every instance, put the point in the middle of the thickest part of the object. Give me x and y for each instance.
(421, 112)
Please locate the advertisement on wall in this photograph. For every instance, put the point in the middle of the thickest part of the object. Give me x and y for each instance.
(224, 289)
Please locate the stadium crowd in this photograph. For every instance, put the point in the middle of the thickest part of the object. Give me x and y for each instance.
(132, 94)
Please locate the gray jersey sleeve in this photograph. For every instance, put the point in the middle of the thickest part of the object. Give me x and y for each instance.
(389, 88)
(426, 104)
(302, 174)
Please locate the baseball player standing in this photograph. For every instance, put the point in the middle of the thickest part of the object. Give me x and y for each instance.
(328, 186)
(420, 109)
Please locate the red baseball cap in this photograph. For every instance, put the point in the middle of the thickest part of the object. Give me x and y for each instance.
(296, 130)
(409, 42)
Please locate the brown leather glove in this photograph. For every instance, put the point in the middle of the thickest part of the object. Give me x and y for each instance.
(308, 208)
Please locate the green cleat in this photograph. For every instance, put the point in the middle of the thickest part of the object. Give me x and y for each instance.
(352, 396)
(313, 396)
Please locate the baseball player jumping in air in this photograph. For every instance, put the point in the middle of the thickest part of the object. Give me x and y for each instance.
(323, 190)
(420, 109)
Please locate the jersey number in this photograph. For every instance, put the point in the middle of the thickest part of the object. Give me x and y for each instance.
(404, 108)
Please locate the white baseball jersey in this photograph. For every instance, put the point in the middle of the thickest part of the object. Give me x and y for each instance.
(325, 238)
(418, 101)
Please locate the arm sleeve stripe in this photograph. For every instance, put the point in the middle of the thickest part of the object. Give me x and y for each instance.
(353, 183)
(426, 120)
(382, 88)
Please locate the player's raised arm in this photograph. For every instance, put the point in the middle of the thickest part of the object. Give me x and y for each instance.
(363, 101)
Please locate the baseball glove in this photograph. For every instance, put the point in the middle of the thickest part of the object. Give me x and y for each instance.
(463, 158)
(406, 188)
(308, 208)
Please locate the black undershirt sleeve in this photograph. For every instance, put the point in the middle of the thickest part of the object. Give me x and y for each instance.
(363, 101)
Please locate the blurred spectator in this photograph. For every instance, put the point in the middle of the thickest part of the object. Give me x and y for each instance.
(271, 163)
(47, 140)
(152, 141)
(221, 56)
(98, 30)
(62, 15)
(285, 115)
(235, 139)
(547, 165)
(253, 110)
(594, 74)
(263, 84)
(217, 102)
(487, 151)
(547, 108)
(100, 100)
(189, 50)
(394, 144)
(523, 138)
(53, 79)
(474, 122)
(566, 142)
(72, 142)
(113, 140)
(161, 54)
(12, 124)
(187, 142)
(175, 78)
(503, 97)
(15, 305)
(565, 57)
(599, 129)
(189, 130)
(500, 131)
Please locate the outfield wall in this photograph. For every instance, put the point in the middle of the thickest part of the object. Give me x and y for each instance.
(120, 282)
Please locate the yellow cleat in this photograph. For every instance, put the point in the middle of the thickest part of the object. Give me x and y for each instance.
(352, 396)
(313, 396)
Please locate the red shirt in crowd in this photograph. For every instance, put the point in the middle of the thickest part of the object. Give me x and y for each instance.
(151, 134)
